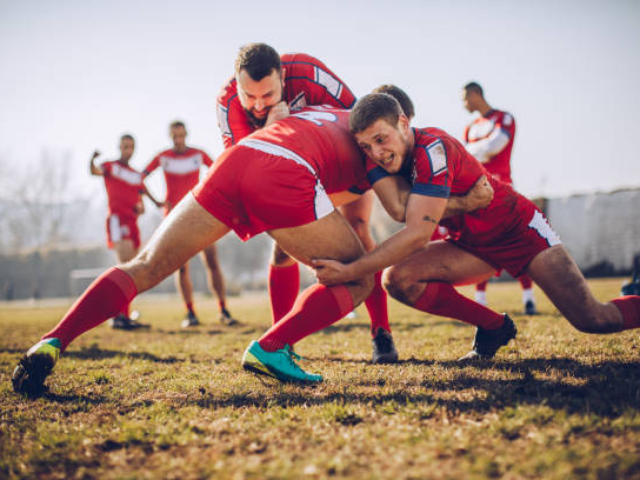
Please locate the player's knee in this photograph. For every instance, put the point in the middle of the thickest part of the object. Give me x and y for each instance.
(592, 322)
(280, 258)
(396, 282)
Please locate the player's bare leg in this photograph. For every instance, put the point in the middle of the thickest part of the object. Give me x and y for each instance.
(358, 214)
(183, 283)
(425, 281)
(168, 249)
(318, 306)
(559, 277)
(215, 279)
(126, 250)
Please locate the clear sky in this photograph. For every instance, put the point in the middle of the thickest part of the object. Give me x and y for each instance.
(75, 75)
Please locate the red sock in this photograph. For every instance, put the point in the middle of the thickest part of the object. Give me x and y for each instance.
(525, 281)
(482, 286)
(376, 304)
(284, 285)
(104, 298)
(629, 307)
(190, 309)
(442, 299)
(125, 310)
(222, 305)
(316, 308)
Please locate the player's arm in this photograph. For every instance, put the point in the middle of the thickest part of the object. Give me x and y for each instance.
(155, 201)
(93, 168)
(233, 122)
(479, 196)
(393, 192)
(422, 217)
(487, 148)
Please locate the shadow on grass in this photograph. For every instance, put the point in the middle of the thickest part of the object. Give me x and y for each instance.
(347, 326)
(95, 353)
(606, 389)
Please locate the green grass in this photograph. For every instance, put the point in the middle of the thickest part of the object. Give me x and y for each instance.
(164, 403)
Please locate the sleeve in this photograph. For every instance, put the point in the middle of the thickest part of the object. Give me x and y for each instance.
(375, 172)
(432, 177)
(106, 168)
(502, 134)
(206, 159)
(322, 85)
(153, 164)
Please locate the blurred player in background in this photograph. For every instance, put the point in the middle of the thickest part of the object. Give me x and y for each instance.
(490, 138)
(124, 193)
(181, 166)
(265, 88)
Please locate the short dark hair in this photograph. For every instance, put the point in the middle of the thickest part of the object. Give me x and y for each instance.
(474, 87)
(258, 60)
(127, 136)
(373, 107)
(400, 95)
(177, 124)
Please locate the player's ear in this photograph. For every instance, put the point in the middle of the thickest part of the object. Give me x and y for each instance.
(403, 123)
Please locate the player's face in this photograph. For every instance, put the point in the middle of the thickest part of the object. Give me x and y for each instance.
(258, 97)
(469, 100)
(179, 137)
(387, 145)
(126, 149)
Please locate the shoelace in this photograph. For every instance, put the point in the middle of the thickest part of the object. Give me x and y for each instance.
(293, 356)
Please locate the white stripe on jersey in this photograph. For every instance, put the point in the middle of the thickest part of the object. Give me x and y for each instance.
(333, 86)
(223, 121)
(126, 175)
(181, 165)
(273, 149)
(114, 228)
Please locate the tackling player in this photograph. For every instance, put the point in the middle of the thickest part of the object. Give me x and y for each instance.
(181, 166)
(277, 180)
(490, 138)
(265, 88)
(124, 193)
(511, 233)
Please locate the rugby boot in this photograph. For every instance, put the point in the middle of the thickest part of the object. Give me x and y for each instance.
(384, 350)
(227, 319)
(530, 308)
(279, 364)
(35, 366)
(122, 322)
(487, 342)
(190, 321)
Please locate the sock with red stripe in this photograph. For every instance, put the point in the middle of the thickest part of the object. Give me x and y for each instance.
(222, 305)
(525, 281)
(482, 286)
(108, 295)
(284, 285)
(629, 307)
(376, 304)
(316, 308)
(190, 309)
(442, 299)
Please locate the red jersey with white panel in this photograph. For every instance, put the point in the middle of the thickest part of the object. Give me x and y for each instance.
(181, 171)
(490, 138)
(320, 135)
(307, 82)
(124, 188)
(441, 167)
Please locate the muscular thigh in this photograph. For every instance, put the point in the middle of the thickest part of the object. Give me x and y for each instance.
(358, 214)
(329, 237)
(444, 262)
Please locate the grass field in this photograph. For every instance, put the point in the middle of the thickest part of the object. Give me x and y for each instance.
(165, 403)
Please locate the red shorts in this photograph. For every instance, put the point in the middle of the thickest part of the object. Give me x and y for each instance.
(122, 228)
(514, 251)
(257, 186)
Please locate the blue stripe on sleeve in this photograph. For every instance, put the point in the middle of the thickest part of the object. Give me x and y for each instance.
(429, 190)
(376, 174)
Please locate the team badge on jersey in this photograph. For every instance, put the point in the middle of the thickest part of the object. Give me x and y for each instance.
(437, 157)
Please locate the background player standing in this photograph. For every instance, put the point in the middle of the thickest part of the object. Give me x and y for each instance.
(124, 193)
(181, 166)
(265, 88)
(490, 138)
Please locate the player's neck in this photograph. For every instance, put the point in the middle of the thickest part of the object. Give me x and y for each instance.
(180, 149)
(123, 161)
(484, 108)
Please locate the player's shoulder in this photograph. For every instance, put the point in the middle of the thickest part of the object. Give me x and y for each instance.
(228, 92)
(502, 116)
(429, 135)
(294, 62)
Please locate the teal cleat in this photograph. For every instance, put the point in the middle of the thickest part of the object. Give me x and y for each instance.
(35, 366)
(279, 364)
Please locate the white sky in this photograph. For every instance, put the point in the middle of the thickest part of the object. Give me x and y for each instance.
(75, 75)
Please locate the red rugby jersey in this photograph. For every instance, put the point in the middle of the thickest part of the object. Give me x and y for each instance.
(124, 188)
(487, 126)
(181, 171)
(439, 167)
(308, 82)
